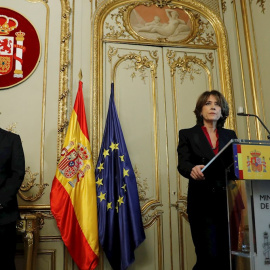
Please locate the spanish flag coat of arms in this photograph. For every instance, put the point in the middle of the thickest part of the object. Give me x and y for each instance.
(73, 193)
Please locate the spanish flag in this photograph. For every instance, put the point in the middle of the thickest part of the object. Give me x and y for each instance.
(73, 193)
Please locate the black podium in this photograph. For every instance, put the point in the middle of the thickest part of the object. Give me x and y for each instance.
(247, 167)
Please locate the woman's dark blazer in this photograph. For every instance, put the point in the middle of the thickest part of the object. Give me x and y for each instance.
(12, 170)
(194, 149)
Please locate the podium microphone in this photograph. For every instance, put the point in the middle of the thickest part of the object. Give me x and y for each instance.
(241, 113)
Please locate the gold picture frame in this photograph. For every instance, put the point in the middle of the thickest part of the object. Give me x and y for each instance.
(163, 24)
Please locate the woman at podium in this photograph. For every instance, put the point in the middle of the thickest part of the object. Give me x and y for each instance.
(207, 203)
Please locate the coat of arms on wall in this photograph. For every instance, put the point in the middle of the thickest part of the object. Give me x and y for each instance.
(19, 48)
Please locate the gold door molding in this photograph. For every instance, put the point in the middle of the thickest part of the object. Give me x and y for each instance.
(204, 19)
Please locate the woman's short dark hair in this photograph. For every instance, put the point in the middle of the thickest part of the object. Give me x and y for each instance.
(221, 102)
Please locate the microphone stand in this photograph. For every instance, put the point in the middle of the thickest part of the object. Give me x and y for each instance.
(249, 114)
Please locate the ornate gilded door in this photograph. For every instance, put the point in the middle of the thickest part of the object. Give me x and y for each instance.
(158, 77)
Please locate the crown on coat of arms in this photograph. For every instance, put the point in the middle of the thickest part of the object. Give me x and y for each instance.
(83, 152)
(7, 24)
(20, 34)
(255, 153)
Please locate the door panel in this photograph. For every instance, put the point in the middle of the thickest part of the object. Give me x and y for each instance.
(156, 89)
(188, 73)
(140, 101)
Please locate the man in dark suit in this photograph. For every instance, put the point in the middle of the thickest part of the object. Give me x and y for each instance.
(12, 170)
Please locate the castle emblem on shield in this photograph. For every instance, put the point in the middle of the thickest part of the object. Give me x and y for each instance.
(72, 162)
(19, 48)
(256, 163)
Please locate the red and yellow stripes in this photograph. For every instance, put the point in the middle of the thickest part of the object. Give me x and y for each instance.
(74, 206)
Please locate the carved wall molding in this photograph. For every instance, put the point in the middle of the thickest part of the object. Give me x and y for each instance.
(202, 35)
(28, 184)
(118, 24)
(142, 186)
(181, 207)
(186, 66)
(223, 6)
(261, 4)
(64, 75)
(29, 226)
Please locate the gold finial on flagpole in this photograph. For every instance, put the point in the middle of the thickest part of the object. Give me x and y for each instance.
(80, 75)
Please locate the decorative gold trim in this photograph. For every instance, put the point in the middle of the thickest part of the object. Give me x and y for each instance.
(182, 215)
(126, 11)
(258, 69)
(63, 79)
(50, 238)
(29, 225)
(251, 67)
(28, 184)
(140, 63)
(116, 34)
(181, 207)
(111, 53)
(241, 66)
(165, 44)
(261, 4)
(161, 3)
(122, 20)
(223, 6)
(70, 107)
(210, 58)
(201, 27)
(35, 207)
(12, 127)
(156, 217)
(142, 185)
(185, 65)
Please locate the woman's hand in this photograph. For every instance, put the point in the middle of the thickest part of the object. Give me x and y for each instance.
(196, 172)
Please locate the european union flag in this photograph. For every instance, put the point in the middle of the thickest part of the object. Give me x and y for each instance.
(120, 225)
